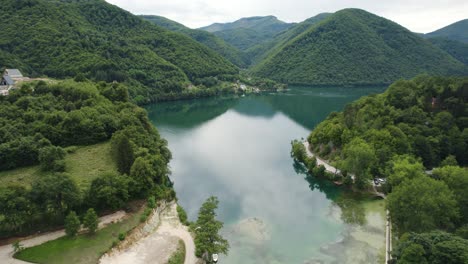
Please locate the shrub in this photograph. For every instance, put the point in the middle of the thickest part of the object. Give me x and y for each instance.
(121, 236)
(91, 221)
(72, 224)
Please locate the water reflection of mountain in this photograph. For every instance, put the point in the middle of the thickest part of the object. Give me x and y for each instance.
(191, 113)
(255, 106)
(310, 106)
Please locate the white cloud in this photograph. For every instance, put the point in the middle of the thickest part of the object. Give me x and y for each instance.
(417, 15)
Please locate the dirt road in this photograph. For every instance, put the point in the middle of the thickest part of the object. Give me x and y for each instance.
(158, 246)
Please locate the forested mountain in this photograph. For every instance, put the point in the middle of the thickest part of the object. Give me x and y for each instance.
(248, 32)
(456, 31)
(355, 47)
(413, 126)
(206, 38)
(457, 49)
(261, 51)
(64, 38)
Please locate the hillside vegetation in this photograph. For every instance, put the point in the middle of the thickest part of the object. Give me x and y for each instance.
(206, 38)
(456, 31)
(457, 49)
(355, 47)
(414, 126)
(42, 124)
(66, 38)
(251, 35)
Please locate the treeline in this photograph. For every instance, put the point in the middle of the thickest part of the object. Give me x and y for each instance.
(399, 135)
(40, 120)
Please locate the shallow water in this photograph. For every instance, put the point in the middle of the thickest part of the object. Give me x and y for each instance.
(238, 149)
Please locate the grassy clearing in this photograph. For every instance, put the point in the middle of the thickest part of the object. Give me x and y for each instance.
(179, 256)
(82, 249)
(83, 165)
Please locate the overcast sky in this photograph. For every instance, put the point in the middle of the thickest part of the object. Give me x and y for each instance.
(417, 15)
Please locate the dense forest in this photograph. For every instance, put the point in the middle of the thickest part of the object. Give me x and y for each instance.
(62, 39)
(413, 127)
(41, 124)
(456, 31)
(355, 47)
(206, 38)
(457, 49)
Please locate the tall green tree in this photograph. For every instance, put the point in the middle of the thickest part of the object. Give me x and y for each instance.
(422, 204)
(456, 179)
(207, 237)
(56, 193)
(123, 150)
(359, 158)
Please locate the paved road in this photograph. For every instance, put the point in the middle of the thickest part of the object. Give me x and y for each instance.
(6, 252)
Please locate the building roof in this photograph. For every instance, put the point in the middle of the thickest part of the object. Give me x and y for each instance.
(8, 80)
(14, 73)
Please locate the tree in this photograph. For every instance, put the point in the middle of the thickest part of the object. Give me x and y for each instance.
(16, 206)
(402, 168)
(72, 224)
(413, 254)
(434, 247)
(55, 192)
(359, 158)
(123, 150)
(449, 161)
(422, 204)
(456, 179)
(110, 191)
(207, 237)
(91, 221)
(143, 173)
(51, 158)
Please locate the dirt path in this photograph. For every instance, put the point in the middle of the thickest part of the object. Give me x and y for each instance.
(158, 246)
(6, 252)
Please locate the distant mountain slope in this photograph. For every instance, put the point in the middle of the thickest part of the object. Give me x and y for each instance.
(456, 31)
(355, 47)
(258, 23)
(206, 38)
(249, 32)
(260, 51)
(457, 49)
(63, 38)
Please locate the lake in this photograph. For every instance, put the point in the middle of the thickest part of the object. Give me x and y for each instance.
(238, 149)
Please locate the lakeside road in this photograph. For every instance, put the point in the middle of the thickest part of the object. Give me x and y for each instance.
(6, 251)
(320, 161)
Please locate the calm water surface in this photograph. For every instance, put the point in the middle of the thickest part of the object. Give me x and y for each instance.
(238, 150)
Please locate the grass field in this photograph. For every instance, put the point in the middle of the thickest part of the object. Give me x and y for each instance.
(83, 165)
(84, 249)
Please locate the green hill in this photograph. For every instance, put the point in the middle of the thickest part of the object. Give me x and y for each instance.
(206, 38)
(64, 38)
(249, 32)
(261, 51)
(457, 49)
(456, 31)
(355, 47)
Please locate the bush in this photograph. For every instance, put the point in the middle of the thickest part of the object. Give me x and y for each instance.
(152, 202)
(72, 224)
(91, 221)
(51, 158)
(182, 215)
(121, 236)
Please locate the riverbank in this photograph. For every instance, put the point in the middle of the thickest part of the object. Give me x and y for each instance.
(388, 225)
(156, 241)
